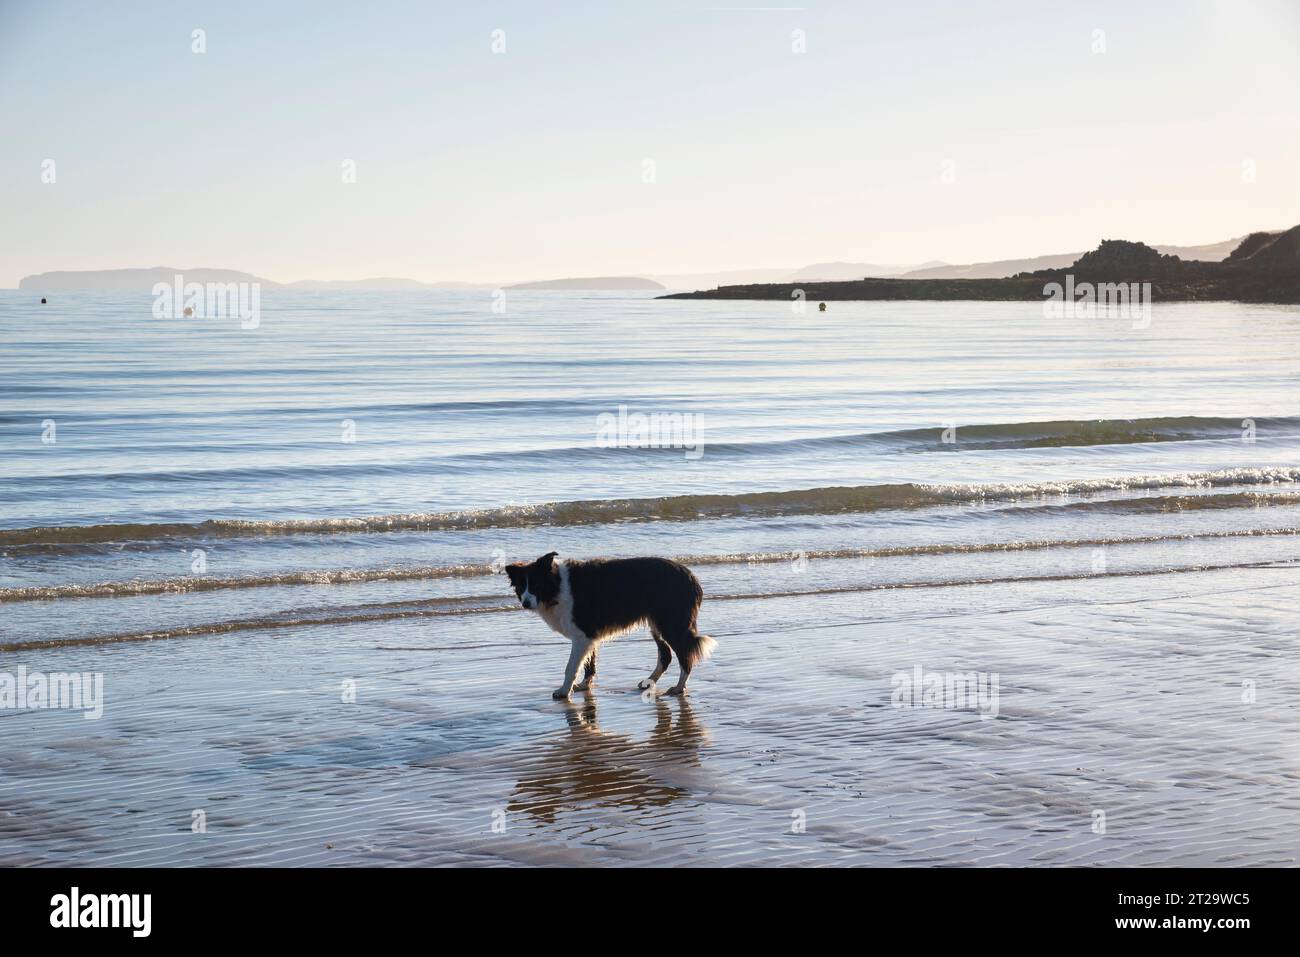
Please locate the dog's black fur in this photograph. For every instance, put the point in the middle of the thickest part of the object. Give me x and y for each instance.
(597, 599)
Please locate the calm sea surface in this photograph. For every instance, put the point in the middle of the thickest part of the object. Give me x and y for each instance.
(412, 442)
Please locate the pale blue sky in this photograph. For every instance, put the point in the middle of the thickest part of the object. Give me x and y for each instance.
(485, 167)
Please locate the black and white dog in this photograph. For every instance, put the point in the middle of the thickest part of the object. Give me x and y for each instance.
(590, 601)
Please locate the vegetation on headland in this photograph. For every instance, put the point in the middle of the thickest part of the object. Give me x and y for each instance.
(1265, 267)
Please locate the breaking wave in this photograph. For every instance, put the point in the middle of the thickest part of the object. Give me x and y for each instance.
(694, 507)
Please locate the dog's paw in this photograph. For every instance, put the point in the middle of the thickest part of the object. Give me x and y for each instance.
(559, 694)
(645, 684)
(585, 686)
(674, 690)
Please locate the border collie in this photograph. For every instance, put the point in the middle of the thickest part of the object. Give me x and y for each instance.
(590, 601)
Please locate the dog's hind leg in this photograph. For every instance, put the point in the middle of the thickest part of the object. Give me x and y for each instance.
(687, 647)
(588, 672)
(665, 659)
(684, 672)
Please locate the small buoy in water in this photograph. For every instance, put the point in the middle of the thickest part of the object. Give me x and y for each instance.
(189, 311)
(821, 307)
(42, 301)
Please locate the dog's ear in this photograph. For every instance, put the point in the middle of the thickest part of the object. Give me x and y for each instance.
(514, 570)
(545, 561)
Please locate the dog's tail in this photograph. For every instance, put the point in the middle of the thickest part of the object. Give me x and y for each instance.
(699, 648)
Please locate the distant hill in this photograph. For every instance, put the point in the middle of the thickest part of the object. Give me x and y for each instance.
(1210, 253)
(837, 271)
(813, 273)
(591, 283)
(699, 280)
(139, 280)
(359, 285)
(998, 269)
(378, 285)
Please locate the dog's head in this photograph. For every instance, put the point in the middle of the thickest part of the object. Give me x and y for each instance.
(537, 584)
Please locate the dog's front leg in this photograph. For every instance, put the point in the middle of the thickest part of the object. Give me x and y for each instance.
(578, 653)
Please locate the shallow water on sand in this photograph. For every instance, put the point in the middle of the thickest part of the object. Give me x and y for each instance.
(1124, 701)
(1106, 518)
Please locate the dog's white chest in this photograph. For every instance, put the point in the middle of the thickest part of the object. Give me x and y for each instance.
(557, 620)
(559, 617)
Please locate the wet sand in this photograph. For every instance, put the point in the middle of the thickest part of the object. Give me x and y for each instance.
(1123, 697)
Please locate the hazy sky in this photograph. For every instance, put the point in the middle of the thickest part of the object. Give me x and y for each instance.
(484, 166)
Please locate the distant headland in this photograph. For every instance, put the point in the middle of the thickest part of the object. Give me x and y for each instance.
(1263, 267)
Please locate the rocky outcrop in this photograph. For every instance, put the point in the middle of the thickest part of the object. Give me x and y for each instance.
(1277, 253)
(1120, 260)
(1251, 245)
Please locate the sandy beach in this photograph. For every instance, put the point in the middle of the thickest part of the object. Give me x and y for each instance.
(1122, 696)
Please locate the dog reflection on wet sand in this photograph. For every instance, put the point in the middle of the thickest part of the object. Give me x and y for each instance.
(595, 768)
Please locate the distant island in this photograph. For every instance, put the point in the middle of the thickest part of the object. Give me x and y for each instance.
(1263, 267)
(143, 280)
(134, 280)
